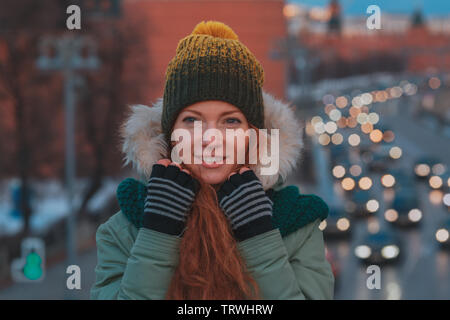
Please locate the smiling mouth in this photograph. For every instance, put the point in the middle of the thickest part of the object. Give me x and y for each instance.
(212, 162)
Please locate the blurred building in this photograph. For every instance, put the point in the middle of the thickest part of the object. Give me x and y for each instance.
(404, 42)
(258, 23)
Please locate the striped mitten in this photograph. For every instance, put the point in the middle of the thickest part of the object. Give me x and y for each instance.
(246, 205)
(170, 194)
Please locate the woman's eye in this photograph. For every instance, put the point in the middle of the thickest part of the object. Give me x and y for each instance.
(233, 121)
(189, 119)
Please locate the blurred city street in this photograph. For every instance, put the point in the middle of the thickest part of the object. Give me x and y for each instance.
(423, 268)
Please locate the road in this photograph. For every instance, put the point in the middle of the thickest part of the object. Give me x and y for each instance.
(424, 271)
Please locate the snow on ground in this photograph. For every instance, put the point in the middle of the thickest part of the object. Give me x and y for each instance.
(49, 203)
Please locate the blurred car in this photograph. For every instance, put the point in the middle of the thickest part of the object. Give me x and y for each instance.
(381, 160)
(423, 167)
(337, 225)
(404, 211)
(399, 180)
(361, 204)
(379, 248)
(442, 235)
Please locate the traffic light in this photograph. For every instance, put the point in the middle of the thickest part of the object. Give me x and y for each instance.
(30, 267)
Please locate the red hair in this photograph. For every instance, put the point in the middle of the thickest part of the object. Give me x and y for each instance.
(210, 265)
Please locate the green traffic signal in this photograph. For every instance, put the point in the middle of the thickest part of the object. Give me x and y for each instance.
(33, 269)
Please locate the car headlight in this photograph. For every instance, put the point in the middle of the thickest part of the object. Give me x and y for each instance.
(390, 251)
(446, 199)
(435, 182)
(343, 224)
(372, 205)
(414, 215)
(422, 170)
(363, 251)
(442, 235)
(391, 215)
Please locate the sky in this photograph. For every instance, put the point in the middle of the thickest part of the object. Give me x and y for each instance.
(359, 7)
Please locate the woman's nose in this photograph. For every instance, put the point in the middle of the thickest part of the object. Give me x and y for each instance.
(208, 140)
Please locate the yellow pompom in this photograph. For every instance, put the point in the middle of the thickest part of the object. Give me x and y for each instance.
(215, 29)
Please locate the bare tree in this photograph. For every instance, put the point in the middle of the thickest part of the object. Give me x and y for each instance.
(20, 28)
(123, 52)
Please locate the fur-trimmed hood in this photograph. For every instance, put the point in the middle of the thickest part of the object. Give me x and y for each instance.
(143, 142)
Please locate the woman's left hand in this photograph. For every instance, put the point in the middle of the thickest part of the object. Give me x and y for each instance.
(246, 205)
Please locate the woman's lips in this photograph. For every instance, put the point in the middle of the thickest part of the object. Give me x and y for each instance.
(212, 162)
(212, 165)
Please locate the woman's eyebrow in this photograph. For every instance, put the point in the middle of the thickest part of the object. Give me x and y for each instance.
(222, 114)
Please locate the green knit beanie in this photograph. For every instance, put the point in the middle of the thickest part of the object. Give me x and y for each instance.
(212, 64)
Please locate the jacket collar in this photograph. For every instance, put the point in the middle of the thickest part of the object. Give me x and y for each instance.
(143, 142)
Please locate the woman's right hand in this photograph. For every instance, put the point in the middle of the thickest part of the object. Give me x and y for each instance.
(170, 194)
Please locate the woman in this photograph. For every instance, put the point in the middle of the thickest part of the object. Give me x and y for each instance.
(217, 229)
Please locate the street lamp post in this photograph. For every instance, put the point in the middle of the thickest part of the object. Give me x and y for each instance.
(68, 59)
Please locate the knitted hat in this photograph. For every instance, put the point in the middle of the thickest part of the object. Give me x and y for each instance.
(212, 64)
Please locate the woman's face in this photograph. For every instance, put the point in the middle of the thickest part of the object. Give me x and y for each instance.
(213, 114)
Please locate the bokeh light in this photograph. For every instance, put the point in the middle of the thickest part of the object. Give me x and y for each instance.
(434, 83)
(438, 169)
(373, 226)
(442, 235)
(435, 197)
(330, 127)
(365, 183)
(343, 224)
(422, 170)
(324, 139)
(396, 92)
(335, 115)
(367, 127)
(355, 170)
(341, 102)
(395, 152)
(372, 205)
(388, 180)
(415, 215)
(391, 215)
(338, 171)
(373, 118)
(354, 139)
(337, 138)
(435, 182)
(376, 136)
(319, 127)
(348, 184)
(388, 136)
(323, 225)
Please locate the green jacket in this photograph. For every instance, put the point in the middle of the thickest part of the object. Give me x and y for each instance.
(287, 263)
